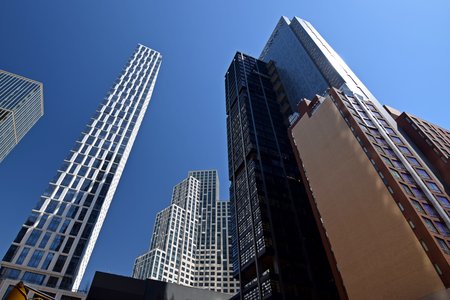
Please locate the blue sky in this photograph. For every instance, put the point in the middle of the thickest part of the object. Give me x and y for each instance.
(399, 49)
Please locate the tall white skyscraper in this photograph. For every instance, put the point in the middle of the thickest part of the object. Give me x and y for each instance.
(21, 105)
(204, 225)
(171, 257)
(53, 247)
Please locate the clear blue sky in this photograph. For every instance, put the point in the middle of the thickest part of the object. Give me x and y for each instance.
(399, 49)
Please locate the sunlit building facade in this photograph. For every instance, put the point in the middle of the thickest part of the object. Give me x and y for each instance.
(383, 213)
(53, 247)
(191, 241)
(171, 257)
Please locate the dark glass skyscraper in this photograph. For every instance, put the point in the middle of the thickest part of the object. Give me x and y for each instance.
(277, 249)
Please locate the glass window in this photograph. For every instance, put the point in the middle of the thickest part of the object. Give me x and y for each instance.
(404, 150)
(396, 139)
(75, 228)
(406, 189)
(417, 206)
(33, 238)
(430, 210)
(21, 234)
(68, 245)
(398, 164)
(413, 161)
(423, 173)
(54, 224)
(44, 240)
(9, 256)
(57, 242)
(64, 226)
(61, 209)
(430, 225)
(59, 263)
(51, 206)
(22, 255)
(408, 178)
(42, 221)
(9, 273)
(35, 258)
(33, 278)
(389, 152)
(443, 229)
(32, 218)
(418, 193)
(47, 261)
(443, 245)
(433, 186)
(395, 174)
(444, 201)
(389, 130)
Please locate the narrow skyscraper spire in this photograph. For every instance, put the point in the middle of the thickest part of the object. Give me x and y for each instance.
(53, 247)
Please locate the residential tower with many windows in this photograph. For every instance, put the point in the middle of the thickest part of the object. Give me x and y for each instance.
(53, 246)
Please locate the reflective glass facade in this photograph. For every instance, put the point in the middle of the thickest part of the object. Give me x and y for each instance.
(54, 244)
(21, 105)
(306, 63)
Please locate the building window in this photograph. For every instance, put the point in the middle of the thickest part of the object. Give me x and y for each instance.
(443, 245)
(47, 261)
(433, 186)
(444, 201)
(35, 258)
(423, 173)
(9, 256)
(9, 273)
(33, 238)
(22, 255)
(59, 263)
(33, 278)
(413, 161)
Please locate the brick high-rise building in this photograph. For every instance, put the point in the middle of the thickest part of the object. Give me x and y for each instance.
(382, 213)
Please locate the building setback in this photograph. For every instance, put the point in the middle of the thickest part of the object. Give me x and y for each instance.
(276, 248)
(21, 106)
(382, 213)
(214, 266)
(53, 247)
(191, 240)
(171, 257)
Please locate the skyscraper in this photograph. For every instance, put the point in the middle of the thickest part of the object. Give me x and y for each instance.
(277, 251)
(21, 105)
(171, 257)
(382, 212)
(306, 63)
(191, 239)
(214, 266)
(53, 247)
